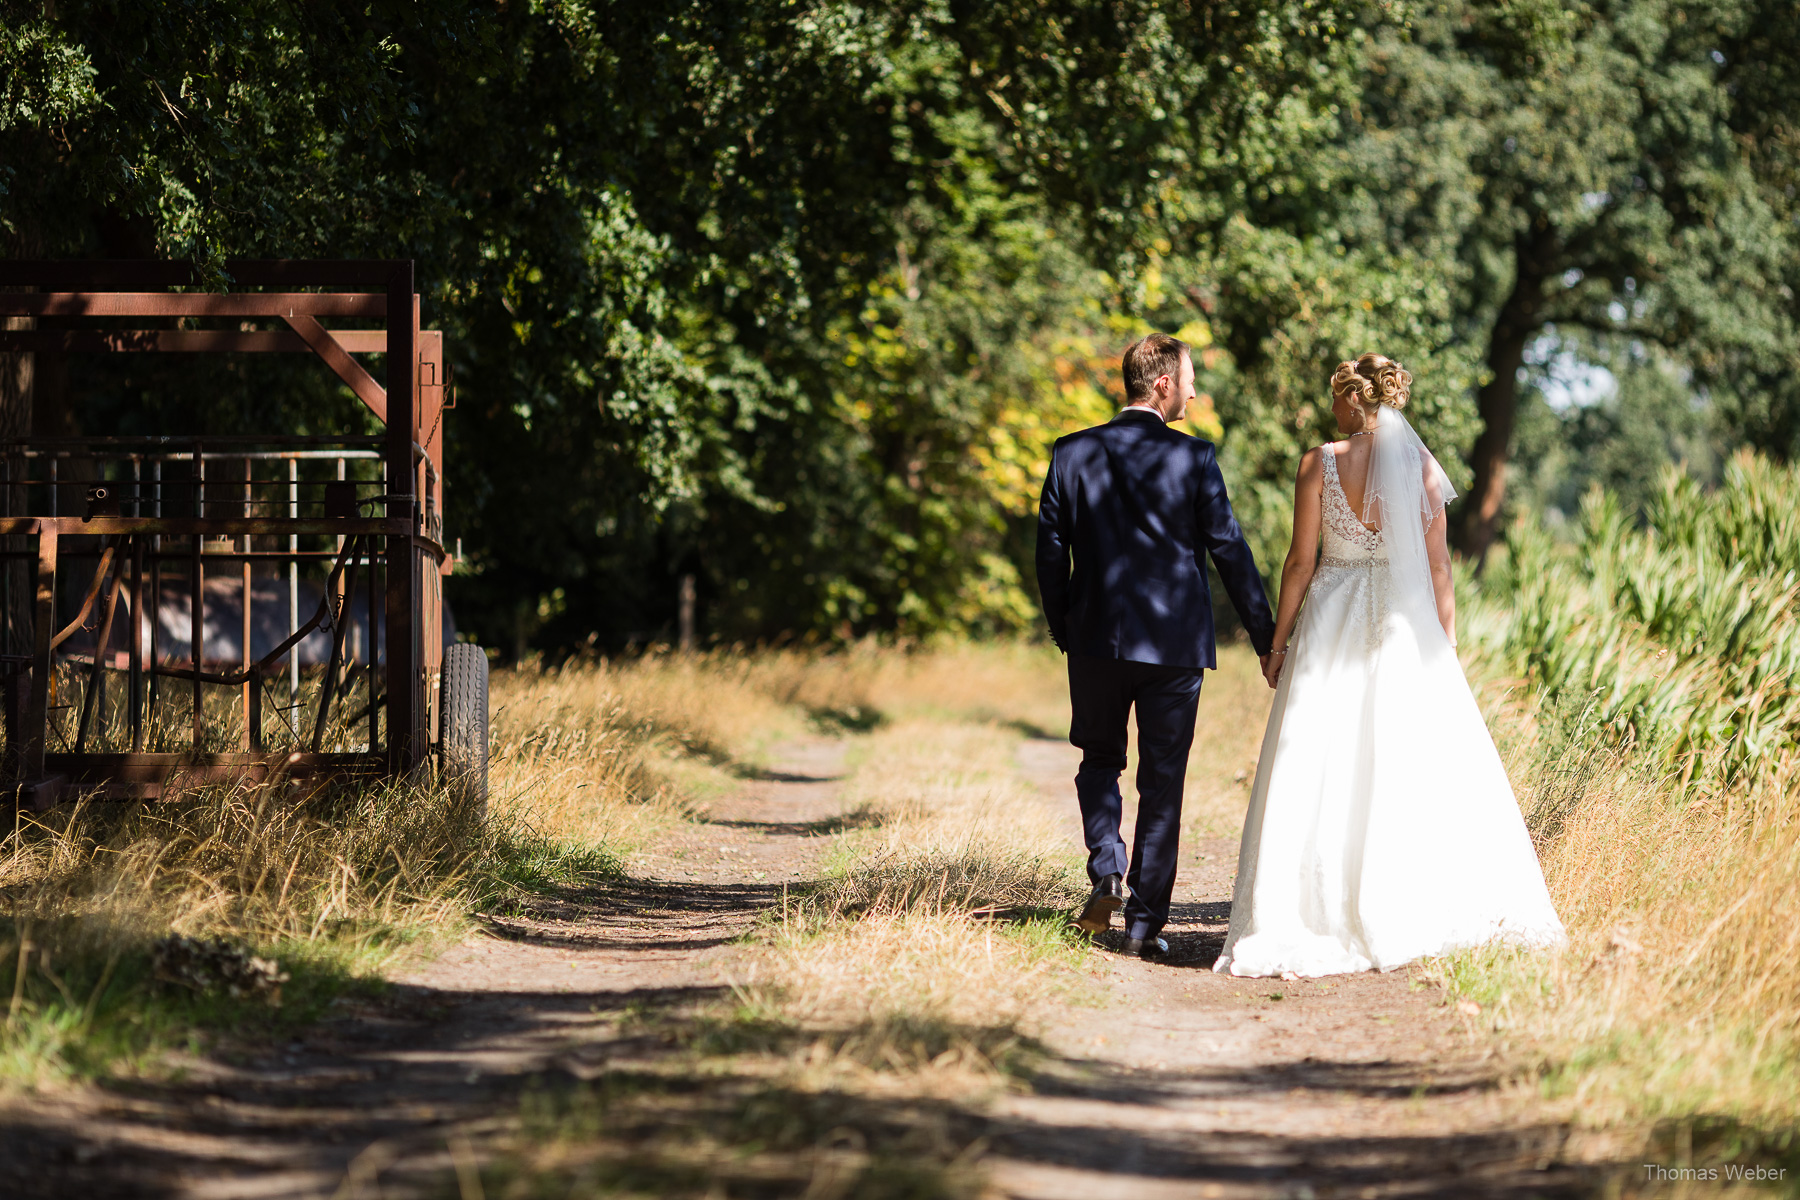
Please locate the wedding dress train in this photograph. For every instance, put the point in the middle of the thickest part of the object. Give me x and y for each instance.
(1381, 826)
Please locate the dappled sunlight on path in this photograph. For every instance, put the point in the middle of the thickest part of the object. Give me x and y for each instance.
(1177, 1082)
(1188, 1083)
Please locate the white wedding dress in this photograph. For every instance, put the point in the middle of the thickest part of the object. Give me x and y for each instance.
(1381, 826)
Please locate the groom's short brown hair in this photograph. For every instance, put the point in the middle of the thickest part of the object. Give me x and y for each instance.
(1149, 359)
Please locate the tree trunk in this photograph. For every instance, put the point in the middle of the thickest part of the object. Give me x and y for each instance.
(1519, 319)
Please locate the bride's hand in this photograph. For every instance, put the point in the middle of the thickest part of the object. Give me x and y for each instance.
(1271, 668)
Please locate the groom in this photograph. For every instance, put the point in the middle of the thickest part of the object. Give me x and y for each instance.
(1139, 505)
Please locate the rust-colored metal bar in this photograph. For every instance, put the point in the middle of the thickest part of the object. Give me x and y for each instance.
(434, 386)
(153, 685)
(374, 641)
(141, 274)
(204, 341)
(408, 742)
(87, 601)
(37, 701)
(96, 688)
(155, 341)
(328, 691)
(170, 445)
(136, 686)
(232, 555)
(197, 634)
(217, 526)
(346, 368)
(252, 686)
(192, 304)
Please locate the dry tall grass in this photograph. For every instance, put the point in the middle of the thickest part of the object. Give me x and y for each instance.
(332, 885)
(589, 763)
(1679, 995)
(1644, 685)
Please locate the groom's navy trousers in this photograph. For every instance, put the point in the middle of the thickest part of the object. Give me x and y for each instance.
(1102, 692)
(1129, 514)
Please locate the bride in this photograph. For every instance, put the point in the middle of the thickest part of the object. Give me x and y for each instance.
(1381, 826)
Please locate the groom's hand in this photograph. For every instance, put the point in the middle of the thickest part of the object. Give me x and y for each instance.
(1271, 668)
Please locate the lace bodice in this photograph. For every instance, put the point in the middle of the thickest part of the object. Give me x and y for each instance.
(1346, 538)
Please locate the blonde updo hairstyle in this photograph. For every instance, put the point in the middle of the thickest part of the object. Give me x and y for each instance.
(1372, 380)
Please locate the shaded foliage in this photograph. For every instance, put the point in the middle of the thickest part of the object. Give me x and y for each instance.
(793, 297)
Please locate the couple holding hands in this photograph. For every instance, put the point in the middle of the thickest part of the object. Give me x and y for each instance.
(1381, 826)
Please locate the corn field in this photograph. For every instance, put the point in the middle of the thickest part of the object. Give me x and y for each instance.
(1679, 636)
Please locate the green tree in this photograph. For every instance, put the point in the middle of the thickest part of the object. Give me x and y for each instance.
(1607, 167)
(777, 293)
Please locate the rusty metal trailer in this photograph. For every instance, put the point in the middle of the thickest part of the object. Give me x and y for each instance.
(100, 537)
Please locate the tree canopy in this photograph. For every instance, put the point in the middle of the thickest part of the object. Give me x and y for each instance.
(794, 296)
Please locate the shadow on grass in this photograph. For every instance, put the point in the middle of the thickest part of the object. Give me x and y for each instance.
(1033, 731)
(862, 817)
(905, 1042)
(721, 1124)
(851, 718)
(756, 774)
(650, 1134)
(662, 1091)
(87, 1001)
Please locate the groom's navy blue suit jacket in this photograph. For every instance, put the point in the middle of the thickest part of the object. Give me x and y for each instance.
(1137, 505)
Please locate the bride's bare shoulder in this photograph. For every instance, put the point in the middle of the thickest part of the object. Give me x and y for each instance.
(1312, 464)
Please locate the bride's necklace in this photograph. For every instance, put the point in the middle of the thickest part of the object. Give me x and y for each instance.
(1364, 433)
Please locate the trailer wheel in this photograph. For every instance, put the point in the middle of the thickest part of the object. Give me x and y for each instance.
(463, 742)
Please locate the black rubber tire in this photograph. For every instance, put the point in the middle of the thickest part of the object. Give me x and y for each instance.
(463, 740)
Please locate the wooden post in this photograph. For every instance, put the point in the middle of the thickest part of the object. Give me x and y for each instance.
(684, 603)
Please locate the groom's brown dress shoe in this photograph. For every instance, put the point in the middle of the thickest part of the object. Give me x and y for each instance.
(1147, 947)
(1107, 898)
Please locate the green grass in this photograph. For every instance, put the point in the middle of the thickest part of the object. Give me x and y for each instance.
(1678, 638)
(90, 1006)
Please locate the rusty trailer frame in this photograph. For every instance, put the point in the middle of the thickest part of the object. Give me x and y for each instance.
(134, 522)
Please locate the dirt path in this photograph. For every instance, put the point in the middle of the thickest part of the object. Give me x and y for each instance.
(370, 1101)
(1186, 1084)
(1196, 1084)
